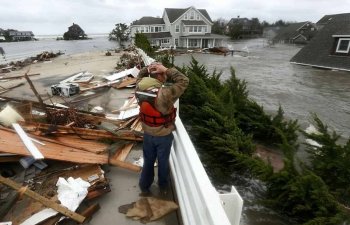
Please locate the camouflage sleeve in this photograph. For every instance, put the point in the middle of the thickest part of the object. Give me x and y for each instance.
(168, 95)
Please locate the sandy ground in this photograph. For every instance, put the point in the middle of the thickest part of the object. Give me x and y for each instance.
(62, 67)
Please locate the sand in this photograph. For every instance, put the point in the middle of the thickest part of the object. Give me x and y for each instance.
(61, 67)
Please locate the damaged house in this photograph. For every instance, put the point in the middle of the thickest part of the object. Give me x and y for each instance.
(187, 28)
(296, 33)
(330, 48)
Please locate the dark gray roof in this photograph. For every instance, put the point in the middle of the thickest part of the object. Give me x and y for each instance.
(289, 32)
(148, 20)
(193, 22)
(318, 51)
(158, 35)
(174, 14)
(239, 21)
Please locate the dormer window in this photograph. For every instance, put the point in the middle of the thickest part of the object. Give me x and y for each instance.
(197, 16)
(192, 15)
(343, 45)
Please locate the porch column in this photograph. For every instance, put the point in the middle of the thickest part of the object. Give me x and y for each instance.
(186, 42)
(201, 42)
(213, 42)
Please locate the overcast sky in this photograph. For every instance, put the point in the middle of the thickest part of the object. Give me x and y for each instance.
(100, 16)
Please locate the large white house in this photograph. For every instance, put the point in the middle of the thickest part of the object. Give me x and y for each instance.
(188, 28)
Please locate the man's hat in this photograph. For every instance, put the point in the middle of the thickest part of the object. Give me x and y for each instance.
(148, 82)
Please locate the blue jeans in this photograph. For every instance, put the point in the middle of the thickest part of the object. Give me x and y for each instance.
(155, 147)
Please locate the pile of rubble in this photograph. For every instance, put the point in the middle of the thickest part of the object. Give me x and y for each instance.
(12, 66)
(53, 157)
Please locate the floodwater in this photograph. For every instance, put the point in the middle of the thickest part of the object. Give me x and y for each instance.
(21, 50)
(273, 81)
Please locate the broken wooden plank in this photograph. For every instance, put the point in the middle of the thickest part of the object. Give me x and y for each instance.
(127, 82)
(45, 201)
(81, 132)
(50, 150)
(18, 77)
(28, 142)
(123, 152)
(125, 165)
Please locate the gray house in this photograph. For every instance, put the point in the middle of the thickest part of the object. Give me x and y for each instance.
(296, 33)
(188, 28)
(16, 35)
(330, 48)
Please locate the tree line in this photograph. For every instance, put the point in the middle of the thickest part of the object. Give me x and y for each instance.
(238, 28)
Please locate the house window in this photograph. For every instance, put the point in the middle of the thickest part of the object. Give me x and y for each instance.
(176, 42)
(205, 29)
(177, 28)
(186, 16)
(192, 15)
(197, 16)
(141, 29)
(183, 29)
(152, 29)
(343, 45)
(192, 43)
(146, 30)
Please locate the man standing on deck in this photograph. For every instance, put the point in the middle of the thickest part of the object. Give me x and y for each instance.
(158, 114)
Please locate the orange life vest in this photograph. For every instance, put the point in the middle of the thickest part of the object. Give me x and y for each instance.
(148, 112)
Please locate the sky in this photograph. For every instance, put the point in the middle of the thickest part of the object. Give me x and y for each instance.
(45, 17)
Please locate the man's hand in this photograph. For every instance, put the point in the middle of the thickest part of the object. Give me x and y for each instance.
(157, 68)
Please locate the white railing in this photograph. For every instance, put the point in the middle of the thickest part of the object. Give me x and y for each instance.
(200, 203)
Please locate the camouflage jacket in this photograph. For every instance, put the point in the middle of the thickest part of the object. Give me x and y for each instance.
(167, 96)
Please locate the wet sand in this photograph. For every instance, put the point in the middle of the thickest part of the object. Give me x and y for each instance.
(58, 69)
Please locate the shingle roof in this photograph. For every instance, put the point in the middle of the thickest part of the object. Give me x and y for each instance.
(158, 35)
(317, 52)
(289, 31)
(148, 20)
(193, 22)
(174, 13)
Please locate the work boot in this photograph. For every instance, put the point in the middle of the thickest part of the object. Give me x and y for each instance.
(146, 193)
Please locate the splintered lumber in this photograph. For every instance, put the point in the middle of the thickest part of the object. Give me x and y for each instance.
(81, 132)
(47, 202)
(123, 152)
(125, 165)
(126, 82)
(34, 90)
(11, 143)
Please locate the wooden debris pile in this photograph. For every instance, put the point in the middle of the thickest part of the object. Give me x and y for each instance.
(50, 142)
(16, 65)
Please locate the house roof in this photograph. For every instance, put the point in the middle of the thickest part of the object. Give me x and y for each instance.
(289, 32)
(175, 13)
(239, 21)
(148, 20)
(193, 22)
(158, 35)
(317, 52)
